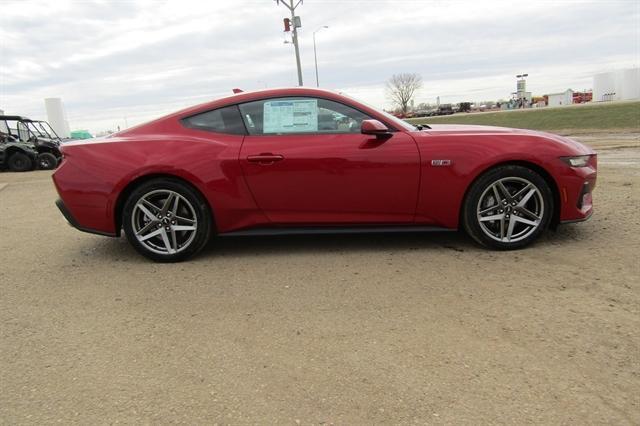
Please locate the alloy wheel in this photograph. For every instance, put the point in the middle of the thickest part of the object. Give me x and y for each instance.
(164, 221)
(510, 209)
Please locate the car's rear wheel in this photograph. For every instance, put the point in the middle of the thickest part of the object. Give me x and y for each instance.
(19, 162)
(508, 208)
(47, 161)
(167, 220)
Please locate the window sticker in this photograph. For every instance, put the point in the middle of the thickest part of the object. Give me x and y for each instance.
(291, 116)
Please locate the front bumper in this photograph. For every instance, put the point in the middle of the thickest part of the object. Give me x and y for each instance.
(582, 219)
(576, 189)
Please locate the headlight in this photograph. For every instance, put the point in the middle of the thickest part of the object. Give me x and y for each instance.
(577, 161)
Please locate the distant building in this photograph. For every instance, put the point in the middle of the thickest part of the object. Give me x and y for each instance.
(57, 116)
(618, 85)
(560, 99)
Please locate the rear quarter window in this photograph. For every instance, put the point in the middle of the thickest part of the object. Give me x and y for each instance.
(221, 120)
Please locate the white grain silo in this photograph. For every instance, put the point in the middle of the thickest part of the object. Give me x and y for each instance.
(57, 116)
(618, 85)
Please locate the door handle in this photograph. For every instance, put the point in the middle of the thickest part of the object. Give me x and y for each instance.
(266, 158)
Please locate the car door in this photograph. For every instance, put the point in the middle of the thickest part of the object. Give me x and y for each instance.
(306, 162)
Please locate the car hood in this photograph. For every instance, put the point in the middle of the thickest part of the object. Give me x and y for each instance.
(48, 140)
(509, 133)
(469, 129)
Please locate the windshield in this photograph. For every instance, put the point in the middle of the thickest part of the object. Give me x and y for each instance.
(36, 130)
(43, 129)
(401, 124)
(48, 129)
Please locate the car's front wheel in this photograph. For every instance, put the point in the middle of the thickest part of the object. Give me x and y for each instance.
(508, 207)
(167, 220)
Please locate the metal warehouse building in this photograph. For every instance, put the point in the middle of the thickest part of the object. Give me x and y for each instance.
(617, 85)
(559, 99)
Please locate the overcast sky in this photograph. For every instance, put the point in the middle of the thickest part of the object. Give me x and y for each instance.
(141, 59)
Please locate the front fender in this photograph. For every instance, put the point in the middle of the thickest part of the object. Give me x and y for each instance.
(444, 184)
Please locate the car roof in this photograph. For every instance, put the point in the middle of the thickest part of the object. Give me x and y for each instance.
(14, 117)
(249, 96)
(18, 118)
(242, 97)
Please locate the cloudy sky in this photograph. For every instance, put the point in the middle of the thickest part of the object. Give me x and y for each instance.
(133, 60)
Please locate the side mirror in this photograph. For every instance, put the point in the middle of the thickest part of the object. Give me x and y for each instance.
(374, 127)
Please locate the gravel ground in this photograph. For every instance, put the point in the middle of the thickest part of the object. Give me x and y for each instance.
(334, 329)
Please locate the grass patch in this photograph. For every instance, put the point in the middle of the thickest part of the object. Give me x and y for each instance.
(599, 116)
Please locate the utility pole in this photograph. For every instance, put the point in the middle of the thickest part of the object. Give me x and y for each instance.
(295, 22)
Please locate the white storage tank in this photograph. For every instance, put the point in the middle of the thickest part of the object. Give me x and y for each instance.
(618, 85)
(57, 116)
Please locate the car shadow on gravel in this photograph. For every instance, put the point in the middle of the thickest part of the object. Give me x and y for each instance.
(570, 232)
(291, 244)
(119, 250)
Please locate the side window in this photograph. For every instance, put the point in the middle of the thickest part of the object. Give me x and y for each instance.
(23, 131)
(300, 115)
(222, 120)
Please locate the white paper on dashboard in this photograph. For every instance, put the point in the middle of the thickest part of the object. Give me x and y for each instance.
(290, 116)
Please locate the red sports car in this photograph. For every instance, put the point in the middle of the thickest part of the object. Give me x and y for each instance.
(305, 160)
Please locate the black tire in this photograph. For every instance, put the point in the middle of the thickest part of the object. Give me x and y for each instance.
(19, 162)
(47, 161)
(193, 204)
(483, 201)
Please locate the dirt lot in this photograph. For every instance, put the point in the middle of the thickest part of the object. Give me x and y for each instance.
(347, 330)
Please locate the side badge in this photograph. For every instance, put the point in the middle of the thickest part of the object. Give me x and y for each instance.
(441, 163)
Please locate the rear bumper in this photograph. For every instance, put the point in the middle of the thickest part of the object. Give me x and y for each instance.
(73, 222)
(84, 198)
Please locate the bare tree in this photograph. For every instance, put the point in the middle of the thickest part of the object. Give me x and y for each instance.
(402, 87)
